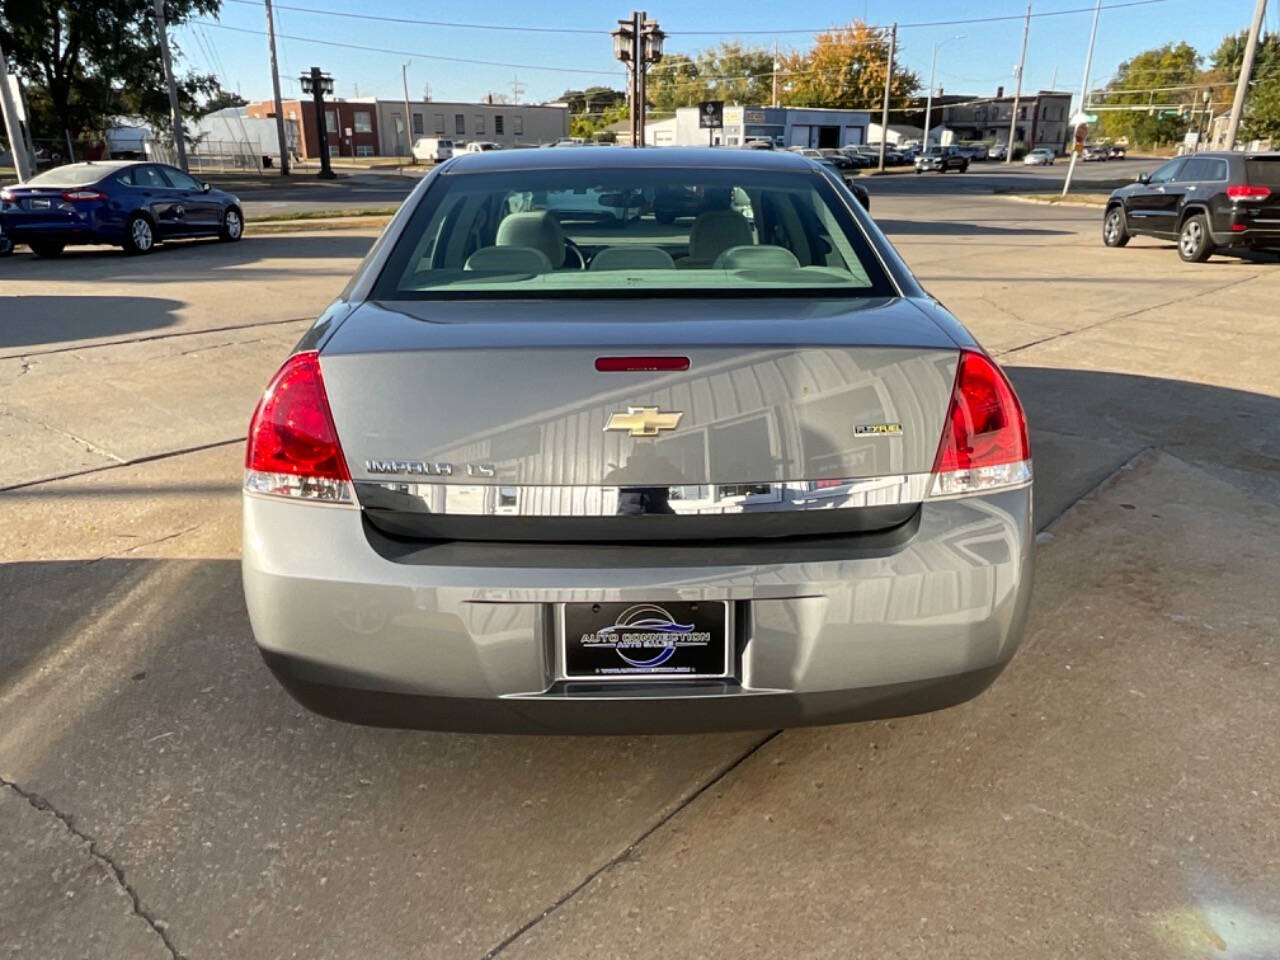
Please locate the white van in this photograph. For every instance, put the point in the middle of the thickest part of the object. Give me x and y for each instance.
(432, 148)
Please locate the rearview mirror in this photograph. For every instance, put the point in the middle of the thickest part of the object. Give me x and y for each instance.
(1144, 178)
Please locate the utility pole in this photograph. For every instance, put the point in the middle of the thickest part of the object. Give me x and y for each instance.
(775, 73)
(13, 124)
(888, 81)
(275, 90)
(175, 115)
(1246, 72)
(408, 120)
(1017, 94)
(517, 88)
(1084, 92)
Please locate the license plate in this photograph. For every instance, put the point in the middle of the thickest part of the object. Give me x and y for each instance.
(38, 204)
(626, 641)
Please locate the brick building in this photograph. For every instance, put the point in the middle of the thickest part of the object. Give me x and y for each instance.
(359, 117)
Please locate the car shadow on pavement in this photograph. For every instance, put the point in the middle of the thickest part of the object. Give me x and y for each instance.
(30, 321)
(180, 256)
(962, 228)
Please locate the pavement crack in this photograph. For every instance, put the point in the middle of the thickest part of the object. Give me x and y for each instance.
(158, 926)
(149, 543)
(149, 458)
(627, 853)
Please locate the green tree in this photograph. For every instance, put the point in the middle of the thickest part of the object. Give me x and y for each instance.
(844, 68)
(732, 72)
(1227, 60)
(593, 99)
(85, 62)
(1166, 80)
(1262, 107)
(220, 99)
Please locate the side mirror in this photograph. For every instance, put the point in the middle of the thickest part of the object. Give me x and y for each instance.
(1144, 178)
(205, 188)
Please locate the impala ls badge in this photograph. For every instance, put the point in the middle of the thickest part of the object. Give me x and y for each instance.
(643, 421)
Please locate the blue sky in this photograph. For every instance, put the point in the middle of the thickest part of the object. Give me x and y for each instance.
(977, 64)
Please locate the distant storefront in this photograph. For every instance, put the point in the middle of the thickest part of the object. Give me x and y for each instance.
(781, 126)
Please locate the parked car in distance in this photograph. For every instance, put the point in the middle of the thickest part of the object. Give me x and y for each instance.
(1039, 157)
(857, 157)
(840, 159)
(127, 203)
(942, 159)
(433, 149)
(1208, 202)
(997, 151)
(1116, 153)
(759, 145)
(974, 151)
(481, 146)
(586, 546)
(1095, 152)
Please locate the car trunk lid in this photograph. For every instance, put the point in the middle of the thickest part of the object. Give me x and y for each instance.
(792, 391)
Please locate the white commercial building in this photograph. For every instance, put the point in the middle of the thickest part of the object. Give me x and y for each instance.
(782, 126)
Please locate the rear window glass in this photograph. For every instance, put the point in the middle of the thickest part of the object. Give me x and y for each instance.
(1263, 171)
(70, 175)
(631, 233)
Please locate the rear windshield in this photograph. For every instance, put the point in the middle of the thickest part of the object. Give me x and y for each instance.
(1263, 170)
(633, 233)
(70, 175)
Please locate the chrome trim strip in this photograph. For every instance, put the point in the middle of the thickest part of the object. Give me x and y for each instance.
(532, 500)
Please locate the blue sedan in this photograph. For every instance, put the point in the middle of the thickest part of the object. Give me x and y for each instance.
(131, 204)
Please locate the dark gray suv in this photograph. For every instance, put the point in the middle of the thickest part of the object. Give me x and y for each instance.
(1209, 202)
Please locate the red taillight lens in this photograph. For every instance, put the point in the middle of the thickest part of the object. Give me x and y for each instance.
(293, 447)
(1242, 191)
(984, 439)
(71, 196)
(640, 364)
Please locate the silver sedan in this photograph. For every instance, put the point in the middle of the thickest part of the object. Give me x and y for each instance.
(543, 469)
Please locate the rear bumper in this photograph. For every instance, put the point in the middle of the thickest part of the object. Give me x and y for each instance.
(71, 230)
(708, 707)
(470, 645)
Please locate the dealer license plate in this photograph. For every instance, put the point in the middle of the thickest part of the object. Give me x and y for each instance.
(645, 640)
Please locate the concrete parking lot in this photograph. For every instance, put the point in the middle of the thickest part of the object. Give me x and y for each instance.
(1116, 793)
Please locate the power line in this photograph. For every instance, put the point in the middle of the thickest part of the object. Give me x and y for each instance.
(410, 53)
(417, 21)
(921, 23)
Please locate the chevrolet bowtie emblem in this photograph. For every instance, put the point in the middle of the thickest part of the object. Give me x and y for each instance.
(643, 421)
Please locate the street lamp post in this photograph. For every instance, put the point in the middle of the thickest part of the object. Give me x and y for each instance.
(638, 42)
(318, 83)
(933, 69)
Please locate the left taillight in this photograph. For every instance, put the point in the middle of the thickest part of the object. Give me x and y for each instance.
(984, 443)
(293, 449)
(82, 196)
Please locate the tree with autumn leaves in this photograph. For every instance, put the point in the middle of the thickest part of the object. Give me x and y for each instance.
(845, 67)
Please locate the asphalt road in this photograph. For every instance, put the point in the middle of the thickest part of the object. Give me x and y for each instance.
(1116, 793)
(353, 191)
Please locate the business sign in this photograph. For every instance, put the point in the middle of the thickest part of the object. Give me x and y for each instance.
(711, 114)
(754, 116)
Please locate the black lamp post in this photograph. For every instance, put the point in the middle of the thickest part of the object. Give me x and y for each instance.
(637, 43)
(318, 83)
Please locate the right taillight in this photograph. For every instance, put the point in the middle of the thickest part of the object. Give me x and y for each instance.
(984, 438)
(293, 448)
(1242, 191)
